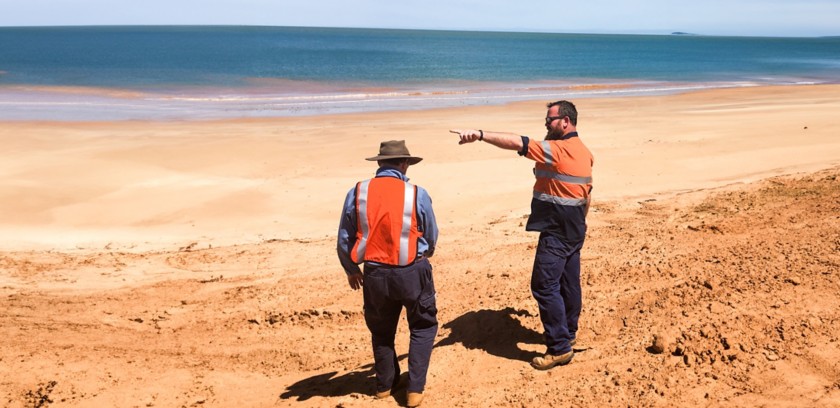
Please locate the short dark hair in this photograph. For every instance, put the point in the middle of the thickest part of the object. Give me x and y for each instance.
(566, 109)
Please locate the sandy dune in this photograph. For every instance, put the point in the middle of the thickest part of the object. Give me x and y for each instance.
(192, 263)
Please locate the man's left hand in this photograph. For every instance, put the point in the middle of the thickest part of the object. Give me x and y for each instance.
(355, 280)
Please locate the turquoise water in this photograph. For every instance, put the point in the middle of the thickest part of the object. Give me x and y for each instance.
(197, 72)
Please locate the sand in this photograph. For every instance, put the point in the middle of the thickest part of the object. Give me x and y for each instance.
(193, 263)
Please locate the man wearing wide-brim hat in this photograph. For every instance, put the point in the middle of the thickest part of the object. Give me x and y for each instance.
(388, 225)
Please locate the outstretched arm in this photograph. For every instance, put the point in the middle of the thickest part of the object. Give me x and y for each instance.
(507, 141)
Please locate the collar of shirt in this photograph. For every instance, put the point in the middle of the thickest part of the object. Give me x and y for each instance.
(389, 172)
(567, 136)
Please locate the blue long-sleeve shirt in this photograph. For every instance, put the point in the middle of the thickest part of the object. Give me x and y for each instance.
(347, 227)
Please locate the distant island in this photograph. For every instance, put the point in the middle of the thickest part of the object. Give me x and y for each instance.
(682, 33)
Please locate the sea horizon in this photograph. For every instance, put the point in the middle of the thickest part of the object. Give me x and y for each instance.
(488, 30)
(209, 72)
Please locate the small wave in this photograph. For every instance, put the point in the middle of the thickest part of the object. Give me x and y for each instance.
(823, 62)
(79, 90)
(297, 98)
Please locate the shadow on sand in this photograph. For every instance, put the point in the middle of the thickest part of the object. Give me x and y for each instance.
(360, 381)
(495, 331)
(330, 385)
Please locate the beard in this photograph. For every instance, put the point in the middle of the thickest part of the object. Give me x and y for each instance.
(554, 134)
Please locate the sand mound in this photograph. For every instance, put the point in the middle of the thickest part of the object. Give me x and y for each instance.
(725, 298)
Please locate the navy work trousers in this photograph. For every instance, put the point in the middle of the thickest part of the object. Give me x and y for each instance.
(387, 290)
(555, 284)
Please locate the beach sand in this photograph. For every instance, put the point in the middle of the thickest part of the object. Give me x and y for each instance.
(193, 263)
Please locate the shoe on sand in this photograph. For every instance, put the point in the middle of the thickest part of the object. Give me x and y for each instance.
(414, 399)
(548, 361)
(399, 383)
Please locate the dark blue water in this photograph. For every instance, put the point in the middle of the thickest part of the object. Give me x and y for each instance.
(256, 70)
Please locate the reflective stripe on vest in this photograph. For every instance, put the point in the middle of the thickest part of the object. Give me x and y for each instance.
(361, 245)
(408, 212)
(573, 202)
(404, 255)
(549, 159)
(563, 177)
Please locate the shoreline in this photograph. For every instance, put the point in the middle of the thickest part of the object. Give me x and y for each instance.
(274, 98)
(149, 185)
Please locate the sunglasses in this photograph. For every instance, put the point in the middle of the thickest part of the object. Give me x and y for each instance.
(550, 119)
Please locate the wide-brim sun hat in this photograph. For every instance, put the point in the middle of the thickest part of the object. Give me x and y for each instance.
(394, 149)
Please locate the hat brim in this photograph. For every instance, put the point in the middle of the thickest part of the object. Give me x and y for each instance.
(411, 159)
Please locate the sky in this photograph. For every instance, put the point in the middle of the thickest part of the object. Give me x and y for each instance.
(778, 18)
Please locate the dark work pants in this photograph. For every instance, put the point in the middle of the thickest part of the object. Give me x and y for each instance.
(555, 284)
(387, 290)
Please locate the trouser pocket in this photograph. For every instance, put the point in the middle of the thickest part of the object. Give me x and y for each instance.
(424, 313)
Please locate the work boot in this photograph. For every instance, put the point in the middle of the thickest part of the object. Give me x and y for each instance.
(548, 361)
(414, 399)
(399, 383)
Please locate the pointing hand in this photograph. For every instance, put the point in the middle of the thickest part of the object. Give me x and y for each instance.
(467, 135)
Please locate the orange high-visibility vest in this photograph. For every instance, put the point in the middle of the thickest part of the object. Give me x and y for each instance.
(563, 171)
(386, 213)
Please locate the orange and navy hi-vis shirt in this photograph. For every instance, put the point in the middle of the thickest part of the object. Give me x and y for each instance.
(563, 169)
(386, 213)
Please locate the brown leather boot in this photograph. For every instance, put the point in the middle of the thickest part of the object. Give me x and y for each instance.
(548, 361)
(414, 399)
(399, 383)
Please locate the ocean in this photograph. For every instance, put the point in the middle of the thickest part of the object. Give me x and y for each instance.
(205, 72)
